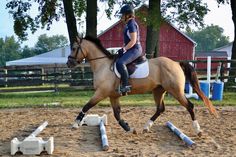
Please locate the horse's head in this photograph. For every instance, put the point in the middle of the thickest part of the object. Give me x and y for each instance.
(77, 53)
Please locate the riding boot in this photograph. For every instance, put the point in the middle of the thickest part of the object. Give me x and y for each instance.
(125, 87)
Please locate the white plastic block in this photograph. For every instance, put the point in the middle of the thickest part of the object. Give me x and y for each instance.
(33, 145)
(93, 120)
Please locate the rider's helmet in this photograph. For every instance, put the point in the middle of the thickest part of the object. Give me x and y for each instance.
(126, 9)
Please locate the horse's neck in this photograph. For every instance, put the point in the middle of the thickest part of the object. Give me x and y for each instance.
(96, 62)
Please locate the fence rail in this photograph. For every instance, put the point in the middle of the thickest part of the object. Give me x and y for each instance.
(56, 74)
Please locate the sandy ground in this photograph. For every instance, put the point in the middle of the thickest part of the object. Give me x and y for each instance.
(219, 138)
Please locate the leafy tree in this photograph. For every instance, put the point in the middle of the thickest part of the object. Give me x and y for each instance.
(91, 18)
(49, 10)
(208, 38)
(182, 12)
(233, 8)
(27, 52)
(9, 50)
(45, 43)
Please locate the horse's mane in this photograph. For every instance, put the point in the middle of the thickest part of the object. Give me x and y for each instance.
(99, 45)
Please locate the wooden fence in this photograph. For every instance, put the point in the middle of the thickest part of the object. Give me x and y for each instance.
(12, 76)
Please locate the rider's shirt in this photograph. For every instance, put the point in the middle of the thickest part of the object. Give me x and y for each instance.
(131, 27)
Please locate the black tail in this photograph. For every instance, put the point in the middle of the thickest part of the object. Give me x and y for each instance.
(191, 76)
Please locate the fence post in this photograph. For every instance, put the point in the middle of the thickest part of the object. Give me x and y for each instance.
(222, 72)
(42, 75)
(6, 77)
(55, 78)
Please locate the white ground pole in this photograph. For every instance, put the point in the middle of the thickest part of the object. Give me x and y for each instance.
(105, 145)
(180, 134)
(32, 145)
(101, 121)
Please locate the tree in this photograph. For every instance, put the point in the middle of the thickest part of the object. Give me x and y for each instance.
(45, 43)
(27, 52)
(91, 18)
(49, 10)
(70, 20)
(182, 12)
(9, 50)
(153, 28)
(208, 38)
(233, 8)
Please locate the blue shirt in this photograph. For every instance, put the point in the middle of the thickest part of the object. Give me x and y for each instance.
(131, 27)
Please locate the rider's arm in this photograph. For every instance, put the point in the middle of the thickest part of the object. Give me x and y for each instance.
(132, 42)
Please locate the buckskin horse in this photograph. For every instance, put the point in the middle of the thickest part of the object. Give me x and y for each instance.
(165, 75)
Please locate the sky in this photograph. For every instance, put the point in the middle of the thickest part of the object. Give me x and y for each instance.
(218, 15)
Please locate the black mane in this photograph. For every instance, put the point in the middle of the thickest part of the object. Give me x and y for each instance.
(99, 45)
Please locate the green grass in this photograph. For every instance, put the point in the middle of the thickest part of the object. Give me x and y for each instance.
(68, 97)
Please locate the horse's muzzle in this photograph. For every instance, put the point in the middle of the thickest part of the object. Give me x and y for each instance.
(71, 62)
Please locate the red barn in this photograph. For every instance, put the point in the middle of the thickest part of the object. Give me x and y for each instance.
(172, 43)
(215, 55)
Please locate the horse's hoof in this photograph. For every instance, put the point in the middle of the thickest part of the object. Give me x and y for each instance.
(133, 131)
(200, 134)
(74, 126)
(145, 131)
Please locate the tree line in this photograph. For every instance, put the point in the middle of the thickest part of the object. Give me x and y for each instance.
(208, 38)
(10, 48)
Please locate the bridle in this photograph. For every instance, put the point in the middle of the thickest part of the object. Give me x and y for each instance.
(79, 48)
(77, 52)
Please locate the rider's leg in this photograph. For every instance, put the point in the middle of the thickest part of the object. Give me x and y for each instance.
(127, 58)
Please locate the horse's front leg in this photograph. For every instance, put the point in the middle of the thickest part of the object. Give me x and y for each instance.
(97, 97)
(115, 103)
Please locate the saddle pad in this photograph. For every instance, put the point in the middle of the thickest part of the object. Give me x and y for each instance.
(142, 70)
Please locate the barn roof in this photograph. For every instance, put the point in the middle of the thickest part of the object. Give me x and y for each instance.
(137, 9)
(225, 46)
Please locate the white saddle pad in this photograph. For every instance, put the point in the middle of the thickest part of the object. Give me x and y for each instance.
(141, 71)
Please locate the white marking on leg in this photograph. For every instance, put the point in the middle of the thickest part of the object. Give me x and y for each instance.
(196, 127)
(148, 125)
(75, 125)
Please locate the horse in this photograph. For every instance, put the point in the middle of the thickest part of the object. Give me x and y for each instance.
(165, 75)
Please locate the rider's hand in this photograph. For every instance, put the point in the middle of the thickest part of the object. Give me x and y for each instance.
(121, 51)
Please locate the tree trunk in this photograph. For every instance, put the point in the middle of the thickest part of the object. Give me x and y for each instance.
(153, 28)
(70, 20)
(91, 18)
(233, 65)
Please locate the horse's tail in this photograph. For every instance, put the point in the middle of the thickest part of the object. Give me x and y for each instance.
(191, 76)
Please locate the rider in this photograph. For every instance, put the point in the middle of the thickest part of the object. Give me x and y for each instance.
(132, 48)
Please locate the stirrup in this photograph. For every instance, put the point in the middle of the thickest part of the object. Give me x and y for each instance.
(124, 90)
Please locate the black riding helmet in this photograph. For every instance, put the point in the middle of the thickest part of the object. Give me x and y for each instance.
(126, 9)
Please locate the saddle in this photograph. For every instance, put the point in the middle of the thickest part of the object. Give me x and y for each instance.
(137, 69)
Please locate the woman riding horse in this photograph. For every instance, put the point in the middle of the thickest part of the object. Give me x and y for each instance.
(165, 75)
(132, 48)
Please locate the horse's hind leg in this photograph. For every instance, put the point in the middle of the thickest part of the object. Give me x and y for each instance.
(116, 110)
(189, 106)
(158, 94)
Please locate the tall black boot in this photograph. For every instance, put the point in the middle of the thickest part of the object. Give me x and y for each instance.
(125, 87)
